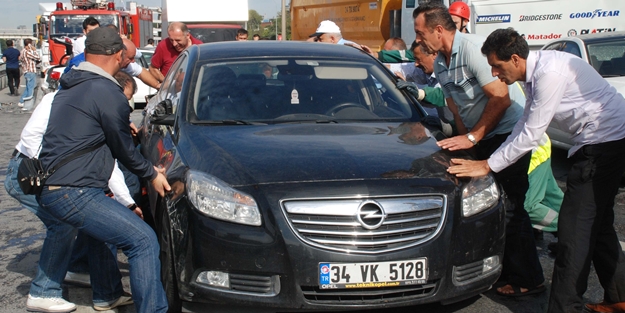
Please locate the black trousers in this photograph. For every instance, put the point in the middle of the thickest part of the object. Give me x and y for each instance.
(521, 266)
(13, 74)
(586, 231)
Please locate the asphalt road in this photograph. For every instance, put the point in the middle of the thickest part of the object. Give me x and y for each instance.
(22, 234)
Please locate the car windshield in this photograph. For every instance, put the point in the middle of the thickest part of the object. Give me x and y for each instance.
(288, 90)
(72, 24)
(147, 55)
(608, 58)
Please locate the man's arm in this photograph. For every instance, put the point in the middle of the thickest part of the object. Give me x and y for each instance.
(433, 95)
(395, 56)
(498, 103)
(156, 73)
(147, 78)
(4, 59)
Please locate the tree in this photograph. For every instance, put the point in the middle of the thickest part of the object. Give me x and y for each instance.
(270, 32)
(253, 25)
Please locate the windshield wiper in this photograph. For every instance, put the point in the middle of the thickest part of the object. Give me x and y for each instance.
(230, 122)
(326, 121)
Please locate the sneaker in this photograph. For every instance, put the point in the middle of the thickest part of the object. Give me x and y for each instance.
(35, 304)
(78, 279)
(126, 299)
(21, 104)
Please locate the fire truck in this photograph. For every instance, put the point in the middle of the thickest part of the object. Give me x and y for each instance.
(65, 24)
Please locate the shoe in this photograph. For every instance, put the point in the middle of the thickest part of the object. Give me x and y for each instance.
(126, 299)
(21, 104)
(605, 307)
(77, 279)
(35, 304)
(518, 293)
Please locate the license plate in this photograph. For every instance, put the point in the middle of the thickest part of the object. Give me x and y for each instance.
(373, 275)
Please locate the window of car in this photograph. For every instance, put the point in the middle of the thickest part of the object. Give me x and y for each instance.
(555, 46)
(288, 90)
(572, 48)
(172, 85)
(608, 57)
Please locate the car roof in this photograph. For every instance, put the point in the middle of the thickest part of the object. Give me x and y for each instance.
(268, 48)
(600, 37)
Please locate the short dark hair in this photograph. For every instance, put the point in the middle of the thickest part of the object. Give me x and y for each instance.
(504, 43)
(9, 43)
(241, 31)
(124, 79)
(256, 35)
(90, 21)
(27, 41)
(435, 14)
(150, 41)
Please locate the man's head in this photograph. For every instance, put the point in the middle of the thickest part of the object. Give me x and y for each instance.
(150, 41)
(127, 82)
(131, 52)
(507, 53)
(179, 36)
(105, 48)
(394, 43)
(328, 32)
(256, 37)
(9, 43)
(424, 59)
(241, 35)
(28, 42)
(431, 23)
(460, 14)
(89, 24)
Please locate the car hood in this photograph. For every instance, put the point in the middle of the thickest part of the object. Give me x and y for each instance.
(246, 155)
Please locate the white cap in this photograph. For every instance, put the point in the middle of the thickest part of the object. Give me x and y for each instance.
(326, 27)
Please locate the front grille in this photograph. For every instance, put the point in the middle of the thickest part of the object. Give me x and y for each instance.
(253, 284)
(469, 272)
(367, 226)
(364, 295)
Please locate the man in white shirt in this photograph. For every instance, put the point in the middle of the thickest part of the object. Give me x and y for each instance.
(89, 24)
(565, 88)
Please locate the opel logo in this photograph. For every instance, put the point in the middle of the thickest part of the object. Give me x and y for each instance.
(371, 215)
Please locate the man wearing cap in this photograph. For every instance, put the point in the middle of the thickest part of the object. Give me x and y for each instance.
(74, 191)
(329, 32)
(168, 50)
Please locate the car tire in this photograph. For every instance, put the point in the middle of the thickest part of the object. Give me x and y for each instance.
(166, 255)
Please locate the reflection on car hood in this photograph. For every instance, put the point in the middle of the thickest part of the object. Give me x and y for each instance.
(245, 155)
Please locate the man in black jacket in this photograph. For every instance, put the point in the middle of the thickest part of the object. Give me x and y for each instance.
(91, 113)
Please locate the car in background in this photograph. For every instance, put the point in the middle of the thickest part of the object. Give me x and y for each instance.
(143, 90)
(605, 52)
(303, 179)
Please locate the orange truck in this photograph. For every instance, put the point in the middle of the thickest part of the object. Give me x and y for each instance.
(367, 22)
(65, 23)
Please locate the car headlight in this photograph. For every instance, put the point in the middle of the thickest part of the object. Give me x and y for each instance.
(216, 199)
(480, 194)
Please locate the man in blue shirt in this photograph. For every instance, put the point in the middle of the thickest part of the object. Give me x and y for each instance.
(11, 58)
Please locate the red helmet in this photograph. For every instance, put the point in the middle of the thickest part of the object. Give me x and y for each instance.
(460, 9)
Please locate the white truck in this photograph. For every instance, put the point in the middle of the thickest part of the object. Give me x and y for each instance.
(208, 20)
(538, 20)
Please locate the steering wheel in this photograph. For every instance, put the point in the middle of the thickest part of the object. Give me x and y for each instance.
(333, 110)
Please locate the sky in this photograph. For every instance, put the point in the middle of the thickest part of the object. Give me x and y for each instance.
(24, 12)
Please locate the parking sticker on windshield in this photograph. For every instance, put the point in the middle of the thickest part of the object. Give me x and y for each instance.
(294, 97)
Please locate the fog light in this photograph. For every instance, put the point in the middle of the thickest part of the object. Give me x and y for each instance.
(214, 278)
(490, 264)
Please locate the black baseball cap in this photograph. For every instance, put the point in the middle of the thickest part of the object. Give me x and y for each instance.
(103, 40)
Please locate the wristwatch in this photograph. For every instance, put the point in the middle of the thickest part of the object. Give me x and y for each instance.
(471, 139)
(132, 207)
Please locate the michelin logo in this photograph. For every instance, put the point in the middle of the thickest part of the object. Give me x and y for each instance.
(595, 13)
(490, 19)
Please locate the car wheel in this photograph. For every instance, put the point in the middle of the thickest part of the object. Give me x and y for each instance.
(168, 273)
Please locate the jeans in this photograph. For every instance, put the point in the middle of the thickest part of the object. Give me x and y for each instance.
(13, 74)
(30, 86)
(57, 248)
(586, 228)
(106, 220)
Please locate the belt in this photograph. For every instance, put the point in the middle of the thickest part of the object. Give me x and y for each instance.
(18, 154)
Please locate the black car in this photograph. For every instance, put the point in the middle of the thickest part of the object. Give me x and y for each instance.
(302, 178)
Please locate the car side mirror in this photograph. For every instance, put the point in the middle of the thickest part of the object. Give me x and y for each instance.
(163, 114)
